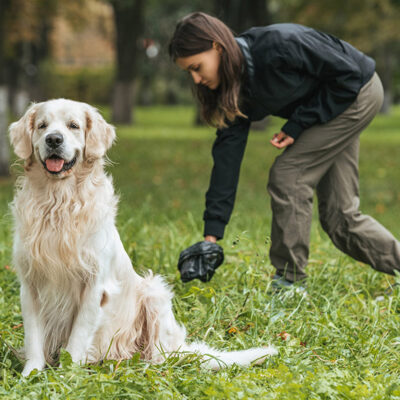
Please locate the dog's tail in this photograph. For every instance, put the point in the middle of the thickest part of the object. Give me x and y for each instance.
(216, 359)
(159, 335)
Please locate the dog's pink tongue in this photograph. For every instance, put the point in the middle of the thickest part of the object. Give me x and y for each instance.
(54, 164)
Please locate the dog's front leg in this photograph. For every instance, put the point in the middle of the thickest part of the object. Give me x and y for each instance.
(86, 324)
(34, 332)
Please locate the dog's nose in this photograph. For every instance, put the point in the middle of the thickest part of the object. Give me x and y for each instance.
(54, 140)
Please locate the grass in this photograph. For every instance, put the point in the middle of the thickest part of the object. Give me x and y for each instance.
(336, 343)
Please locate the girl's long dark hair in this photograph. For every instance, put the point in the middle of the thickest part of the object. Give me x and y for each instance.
(196, 33)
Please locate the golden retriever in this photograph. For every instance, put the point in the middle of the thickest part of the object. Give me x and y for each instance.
(79, 290)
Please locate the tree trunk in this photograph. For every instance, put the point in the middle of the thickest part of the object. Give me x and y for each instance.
(129, 25)
(4, 149)
(20, 103)
(39, 52)
(122, 102)
(241, 15)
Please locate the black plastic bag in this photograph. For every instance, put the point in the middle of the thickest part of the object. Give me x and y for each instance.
(200, 261)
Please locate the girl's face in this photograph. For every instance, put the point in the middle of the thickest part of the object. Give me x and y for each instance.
(203, 67)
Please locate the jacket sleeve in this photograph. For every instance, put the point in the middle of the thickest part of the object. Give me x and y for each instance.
(328, 60)
(227, 152)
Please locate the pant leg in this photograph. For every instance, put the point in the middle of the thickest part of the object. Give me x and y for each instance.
(291, 204)
(357, 235)
(297, 171)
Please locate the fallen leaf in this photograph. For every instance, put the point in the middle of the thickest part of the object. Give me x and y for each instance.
(284, 335)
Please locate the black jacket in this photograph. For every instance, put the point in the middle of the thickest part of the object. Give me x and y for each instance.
(294, 72)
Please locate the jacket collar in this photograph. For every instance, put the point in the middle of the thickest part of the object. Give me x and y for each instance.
(247, 55)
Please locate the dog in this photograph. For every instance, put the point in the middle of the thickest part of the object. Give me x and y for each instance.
(79, 290)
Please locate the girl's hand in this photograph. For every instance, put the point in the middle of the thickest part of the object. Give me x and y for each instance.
(281, 140)
(210, 238)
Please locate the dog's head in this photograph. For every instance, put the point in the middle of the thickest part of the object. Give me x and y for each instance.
(60, 134)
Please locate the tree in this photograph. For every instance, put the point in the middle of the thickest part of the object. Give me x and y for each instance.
(25, 28)
(19, 21)
(4, 148)
(29, 29)
(129, 25)
(29, 24)
(240, 15)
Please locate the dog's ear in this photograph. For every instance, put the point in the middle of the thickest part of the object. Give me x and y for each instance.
(21, 133)
(99, 135)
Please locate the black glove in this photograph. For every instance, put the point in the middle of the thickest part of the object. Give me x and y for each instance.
(200, 261)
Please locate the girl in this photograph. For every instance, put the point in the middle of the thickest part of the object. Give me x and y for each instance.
(329, 92)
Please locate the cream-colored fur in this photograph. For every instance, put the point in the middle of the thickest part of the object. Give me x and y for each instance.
(78, 288)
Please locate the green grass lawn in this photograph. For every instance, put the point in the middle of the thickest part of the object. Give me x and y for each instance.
(335, 343)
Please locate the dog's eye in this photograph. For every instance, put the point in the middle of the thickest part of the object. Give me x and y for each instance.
(73, 125)
(42, 125)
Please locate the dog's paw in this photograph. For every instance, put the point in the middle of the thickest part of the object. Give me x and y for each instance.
(77, 356)
(31, 365)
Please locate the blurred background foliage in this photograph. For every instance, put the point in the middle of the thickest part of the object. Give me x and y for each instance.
(114, 52)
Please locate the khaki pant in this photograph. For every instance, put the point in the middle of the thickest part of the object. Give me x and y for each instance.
(325, 158)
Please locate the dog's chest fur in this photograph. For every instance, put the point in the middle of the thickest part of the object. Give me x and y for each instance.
(55, 220)
(55, 254)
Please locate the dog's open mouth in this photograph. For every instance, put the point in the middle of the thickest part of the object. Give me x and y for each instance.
(55, 164)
